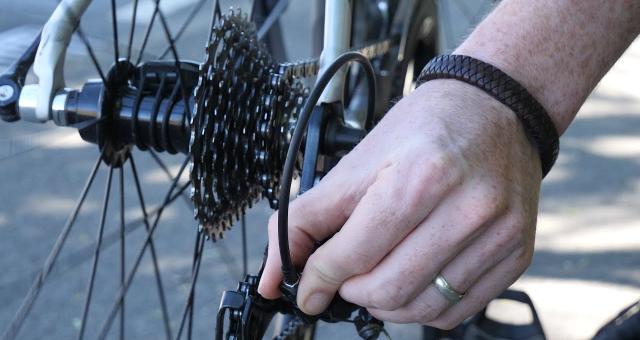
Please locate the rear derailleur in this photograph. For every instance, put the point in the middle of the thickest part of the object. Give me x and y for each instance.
(249, 314)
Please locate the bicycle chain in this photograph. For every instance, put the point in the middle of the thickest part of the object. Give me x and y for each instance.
(294, 330)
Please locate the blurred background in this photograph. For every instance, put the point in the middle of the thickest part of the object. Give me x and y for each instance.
(585, 269)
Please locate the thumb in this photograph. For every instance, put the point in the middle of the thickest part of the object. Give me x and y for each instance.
(313, 216)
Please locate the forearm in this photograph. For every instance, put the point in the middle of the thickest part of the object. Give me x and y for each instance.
(557, 49)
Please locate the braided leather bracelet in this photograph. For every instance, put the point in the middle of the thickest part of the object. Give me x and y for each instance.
(536, 122)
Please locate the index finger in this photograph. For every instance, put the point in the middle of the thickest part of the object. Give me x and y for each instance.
(376, 226)
(314, 215)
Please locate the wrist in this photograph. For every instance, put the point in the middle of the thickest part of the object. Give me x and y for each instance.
(524, 72)
(480, 126)
(538, 126)
(465, 107)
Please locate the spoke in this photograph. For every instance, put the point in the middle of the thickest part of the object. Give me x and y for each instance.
(183, 90)
(164, 167)
(152, 248)
(275, 14)
(114, 23)
(134, 16)
(180, 192)
(87, 123)
(107, 324)
(92, 54)
(174, 52)
(36, 286)
(15, 143)
(146, 36)
(217, 13)
(86, 43)
(194, 279)
(84, 254)
(196, 9)
(192, 295)
(122, 249)
(245, 265)
(188, 202)
(96, 256)
(216, 8)
(221, 248)
(252, 10)
(229, 260)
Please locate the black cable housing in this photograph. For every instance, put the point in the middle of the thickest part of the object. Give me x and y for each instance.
(291, 275)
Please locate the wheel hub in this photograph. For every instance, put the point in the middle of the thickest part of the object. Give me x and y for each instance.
(114, 149)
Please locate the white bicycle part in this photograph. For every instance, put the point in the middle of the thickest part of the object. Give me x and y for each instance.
(49, 62)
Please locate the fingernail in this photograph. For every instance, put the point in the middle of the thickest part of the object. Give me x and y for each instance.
(316, 303)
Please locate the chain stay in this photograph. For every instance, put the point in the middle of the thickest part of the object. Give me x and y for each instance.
(310, 68)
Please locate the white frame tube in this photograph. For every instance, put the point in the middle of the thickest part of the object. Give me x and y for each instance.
(49, 61)
(337, 40)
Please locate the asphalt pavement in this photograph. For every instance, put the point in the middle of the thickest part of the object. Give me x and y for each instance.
(587, 261)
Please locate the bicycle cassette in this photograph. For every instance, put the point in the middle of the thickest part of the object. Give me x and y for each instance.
(245, 109)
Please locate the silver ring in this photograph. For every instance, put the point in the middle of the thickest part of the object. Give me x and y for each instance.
(445, 289)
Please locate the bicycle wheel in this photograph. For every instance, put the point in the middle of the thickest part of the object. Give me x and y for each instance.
(138, 113)
(135, 274)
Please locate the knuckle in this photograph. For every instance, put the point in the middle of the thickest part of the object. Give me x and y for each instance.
(320, 269)
(348, 199)
(382, 300)
(511, 240)
(524, 258)
(512, 234)
(444, 324)
(347, 196)
(518, 233)
(502, 243)
(495, 198)
(489, 202)
(516, 226)
(442, 163)
(449, 321)
(440, 172)
(507, 235)
(518, 223)
(424, 312)
(355, 262)
(347, 183)
(441, 168)
(390, 297)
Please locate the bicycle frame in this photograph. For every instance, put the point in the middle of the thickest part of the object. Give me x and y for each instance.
(337, 40)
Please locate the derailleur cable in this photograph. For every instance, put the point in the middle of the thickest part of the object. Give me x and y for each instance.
(250, 313)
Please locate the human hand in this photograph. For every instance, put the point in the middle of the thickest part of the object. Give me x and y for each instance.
(446, 183)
